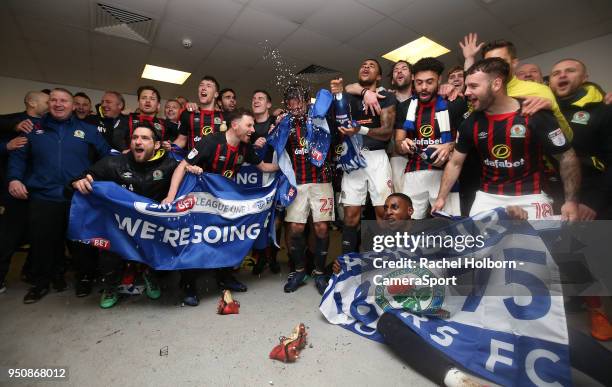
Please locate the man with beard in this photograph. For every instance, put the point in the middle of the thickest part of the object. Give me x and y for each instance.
(401, 80)
(511, 148)
(227, 100)
(591, 119)
(535, 96)
(195, 124)
(581, 103)
(376, 130)
(427, 137)
(222, 153)
(314, 197)
(149, 102)
(146, 170)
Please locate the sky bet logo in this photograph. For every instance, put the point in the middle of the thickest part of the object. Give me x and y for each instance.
(179, 208)
(316, 155)
(100, 243)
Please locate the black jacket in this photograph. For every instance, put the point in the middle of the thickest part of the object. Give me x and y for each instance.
(150, 179)
(591, 122)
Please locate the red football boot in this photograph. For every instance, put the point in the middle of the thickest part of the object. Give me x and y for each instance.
(227, 305)
(289, 348)
(601, 329)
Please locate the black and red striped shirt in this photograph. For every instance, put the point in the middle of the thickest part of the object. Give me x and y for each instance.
(511, 148)
(426, 128)
(197, 125)
(298, 150)
(214, 155)
(123, 132)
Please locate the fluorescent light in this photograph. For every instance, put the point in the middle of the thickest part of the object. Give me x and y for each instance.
(164, 75)
(420, 48)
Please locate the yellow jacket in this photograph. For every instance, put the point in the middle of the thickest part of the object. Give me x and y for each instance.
(593, 95)
(521, 89)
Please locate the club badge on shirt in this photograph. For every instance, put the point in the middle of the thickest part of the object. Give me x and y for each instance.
(157, 174)
(79, 133)
(581, 117)
(518, 131)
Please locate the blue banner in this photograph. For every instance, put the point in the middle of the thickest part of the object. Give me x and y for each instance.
(213, 222)
(250, 176)
(277, 140)
(510, 328)
(319, 135)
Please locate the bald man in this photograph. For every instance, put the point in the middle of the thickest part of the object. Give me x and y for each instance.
(35, 106)
(582, 103)
(13, 223)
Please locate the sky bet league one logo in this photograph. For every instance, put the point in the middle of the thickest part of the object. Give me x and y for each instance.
(100, 243)
(178, 208)
(316, 155)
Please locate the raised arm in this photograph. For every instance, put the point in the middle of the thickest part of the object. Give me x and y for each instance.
(177, 178)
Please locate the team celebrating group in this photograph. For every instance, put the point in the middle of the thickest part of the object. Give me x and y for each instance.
(492, 135)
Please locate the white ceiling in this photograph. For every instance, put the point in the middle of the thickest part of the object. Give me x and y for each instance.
(53, 40)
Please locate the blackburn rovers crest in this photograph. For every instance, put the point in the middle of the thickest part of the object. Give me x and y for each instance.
(400, 293)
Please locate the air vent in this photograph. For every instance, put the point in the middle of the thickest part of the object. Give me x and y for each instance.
(122, 23)
(317, 74)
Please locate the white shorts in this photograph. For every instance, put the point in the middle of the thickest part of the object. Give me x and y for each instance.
(375, 179)
(422, 187)
(538, 206)
(315, 197)
(398, 166)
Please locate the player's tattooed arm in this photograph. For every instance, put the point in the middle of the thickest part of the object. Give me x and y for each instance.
(569, 168)
(387, 122)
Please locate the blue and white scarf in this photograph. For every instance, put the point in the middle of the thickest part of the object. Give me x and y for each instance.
(441, 117)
